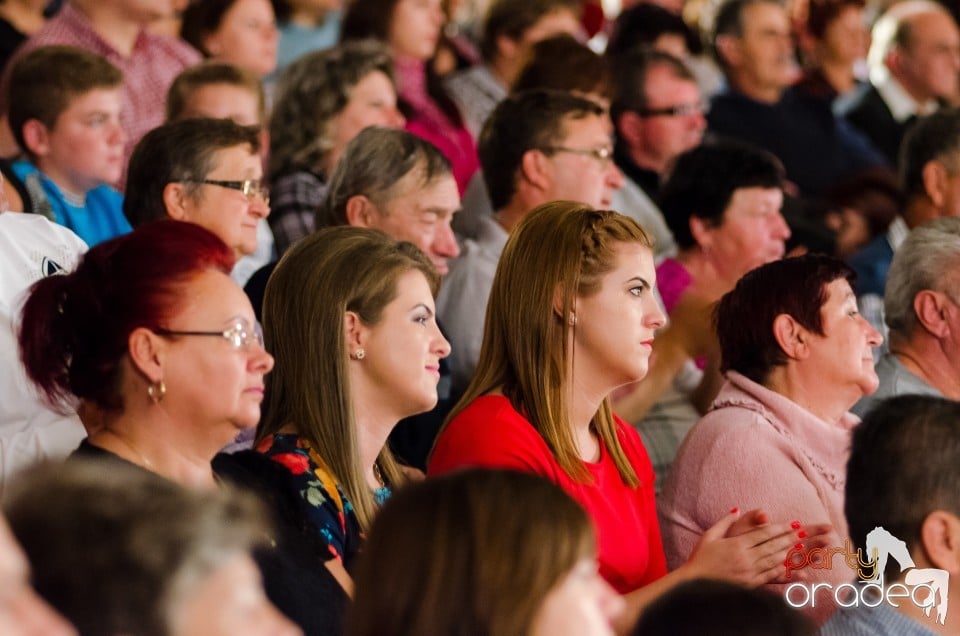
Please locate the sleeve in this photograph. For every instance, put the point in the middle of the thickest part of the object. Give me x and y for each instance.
(294, 203)
(330, 519)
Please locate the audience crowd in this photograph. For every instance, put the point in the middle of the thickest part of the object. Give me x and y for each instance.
(499, 317)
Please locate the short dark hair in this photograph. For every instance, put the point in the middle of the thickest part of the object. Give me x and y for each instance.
(630, 72)
(744, 316)
(642, 24)
(371, 165)
(178, 151)
(512, 18)
(564, 64)
(932, 138)
(821, 13)
(704, 180)
(367, 19)
(903, 465)
(44, 82)
(703, 607)
(729, 21)
(196, 77)
(529, 120)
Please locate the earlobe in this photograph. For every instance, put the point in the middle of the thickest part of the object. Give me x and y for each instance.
(628, 127)
(359, 211)
(940, 536)
(934, 182)
(354, 333)
(146, 353)
(791, 337)
(36, 137)
(535, 169)
(700, 231)
(930, 313)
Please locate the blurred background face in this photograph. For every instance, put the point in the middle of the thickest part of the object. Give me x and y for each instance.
(930, 61)
(764, 54)
(415, 28)
(224, 101)
(578, 175)
(845, 39)
(664, 136)
(247, 37)
(22, 612)
(230, 602)
(581, 604)
(372, 102)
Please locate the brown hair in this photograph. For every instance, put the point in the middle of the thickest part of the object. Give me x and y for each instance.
(558, 252)
(211, 73)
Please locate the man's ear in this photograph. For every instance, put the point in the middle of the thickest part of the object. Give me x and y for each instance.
(728, 47)
(791, 336)
(700, 231)
(175, 200)
(36, 137)
(935, 182)
(629, 127)
(361, 212)
(929, 308)
(535, 168)
(940, 536)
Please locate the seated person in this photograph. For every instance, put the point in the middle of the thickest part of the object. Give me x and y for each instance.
(901, 499)
(119, 550)
(66, 119)
(223, 91)
(923, 288)
(205, 171)
(238, 32)
(797, 355)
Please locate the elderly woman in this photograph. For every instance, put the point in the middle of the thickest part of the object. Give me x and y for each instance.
(453, 555)
(722, 203)
(322, 101)
(797, 355)
(350, 315)
(538, 400)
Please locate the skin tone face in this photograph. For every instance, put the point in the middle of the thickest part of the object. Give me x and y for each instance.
(763, 57)
(422, 215)
(415, 28)
(405, 348)
(582, 177)
(581, 604)
(230, 602)
(844, 353)
(214, 383)
(845, 39)
(22, 611)
(84, 148)
(226, 212)
(373, 102)
(930, 63)
(613, 335)
(247, 37)
(752, 232)
(663, 137)
(224, 101)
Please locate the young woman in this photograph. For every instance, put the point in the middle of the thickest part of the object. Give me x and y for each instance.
(571, 317)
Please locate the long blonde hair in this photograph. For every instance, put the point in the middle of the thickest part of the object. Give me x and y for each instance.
(559, 251)
(323, 276)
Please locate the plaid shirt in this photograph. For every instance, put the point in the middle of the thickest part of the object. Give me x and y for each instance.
(294, 199)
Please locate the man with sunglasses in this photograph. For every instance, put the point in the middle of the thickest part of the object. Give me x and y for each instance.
(206, 171)
(658, 113)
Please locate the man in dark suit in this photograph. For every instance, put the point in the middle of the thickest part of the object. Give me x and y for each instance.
(914, 65)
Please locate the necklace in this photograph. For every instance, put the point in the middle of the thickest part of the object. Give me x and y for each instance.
(137, 451)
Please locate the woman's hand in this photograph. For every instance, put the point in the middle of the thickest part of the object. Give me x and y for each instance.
(747, 550)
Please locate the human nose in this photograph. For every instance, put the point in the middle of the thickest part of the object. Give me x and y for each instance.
(260, 359)
(653, 315)
(445, 242)
(259, 206)
(780, 228)
(395, 118)
(614, 177)
(442, 348)
(874, 337)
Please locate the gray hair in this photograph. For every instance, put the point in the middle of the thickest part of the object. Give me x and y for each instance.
(927, 259)
(372, 164)
(310, 93)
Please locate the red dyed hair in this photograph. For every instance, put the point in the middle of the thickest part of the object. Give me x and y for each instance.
(75, 328)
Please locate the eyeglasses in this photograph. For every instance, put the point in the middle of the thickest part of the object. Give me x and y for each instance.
(251, 188)
(680, 110)
(603, 154)
(240, 334)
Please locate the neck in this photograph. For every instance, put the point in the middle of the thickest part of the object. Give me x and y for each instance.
(703, 268)
(137, 439)
(923, 356)
(805, 388)
(920, 210)
(24, 16)
(839, 75)
(512, 213)
(765, 94)
(646, 162)
(506, 71)
(919, 95)
(111, 26)
(372, 431)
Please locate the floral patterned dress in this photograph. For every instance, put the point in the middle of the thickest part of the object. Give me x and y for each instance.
(326, 504)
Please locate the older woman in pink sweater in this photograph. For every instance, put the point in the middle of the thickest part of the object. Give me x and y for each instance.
(797, 355)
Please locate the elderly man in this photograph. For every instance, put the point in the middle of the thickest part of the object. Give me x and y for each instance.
(922, 311)
(914, 65)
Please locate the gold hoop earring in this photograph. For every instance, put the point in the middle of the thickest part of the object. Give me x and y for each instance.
(157, 391)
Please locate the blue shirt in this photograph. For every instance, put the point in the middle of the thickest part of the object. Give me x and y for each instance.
(98, 219)
(296, 40)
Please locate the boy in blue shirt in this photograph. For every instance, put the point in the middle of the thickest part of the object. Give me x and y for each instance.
(65, 115)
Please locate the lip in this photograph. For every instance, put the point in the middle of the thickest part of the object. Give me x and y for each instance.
(648, 343)
(434, 369)
(255, 390)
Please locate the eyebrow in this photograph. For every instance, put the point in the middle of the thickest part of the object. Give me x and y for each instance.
(424, 306)
(640, 279)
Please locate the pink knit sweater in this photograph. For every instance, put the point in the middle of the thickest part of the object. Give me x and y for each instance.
(758, 449)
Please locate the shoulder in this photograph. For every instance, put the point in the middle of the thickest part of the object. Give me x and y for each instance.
(174, 49)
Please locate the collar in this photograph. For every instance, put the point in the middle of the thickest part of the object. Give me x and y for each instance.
(77, 22)
(897, 232)
(898, 100)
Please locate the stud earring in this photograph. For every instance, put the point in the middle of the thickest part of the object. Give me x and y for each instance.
(572, 319)
(157, 391)
(359, 354)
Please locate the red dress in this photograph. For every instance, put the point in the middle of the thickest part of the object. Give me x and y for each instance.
(491, 433)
